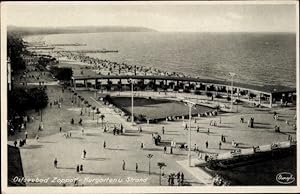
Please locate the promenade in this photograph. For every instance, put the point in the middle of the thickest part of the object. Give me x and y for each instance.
(38, 156)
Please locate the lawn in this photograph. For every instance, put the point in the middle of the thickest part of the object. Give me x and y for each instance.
(157, 108)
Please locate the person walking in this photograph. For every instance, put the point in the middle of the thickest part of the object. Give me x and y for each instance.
(165, 149)
(77, 168)
(198, 129)
(195, 147)
(136, 167)
(60, 129)
(26, 134)
(142, 145)
(171, 150)
(83, 155)
(172, 180)
(208, 131)
(121, 128)
(220, 145)
(163, 130)
(81, 168)
(123, 165)
(206, 144)
(15, 143)
(55, 163)
(182, 178)
(37, 137)
(178, 176)
(104, 144)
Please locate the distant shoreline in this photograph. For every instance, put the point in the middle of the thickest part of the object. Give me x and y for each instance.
(75, 30)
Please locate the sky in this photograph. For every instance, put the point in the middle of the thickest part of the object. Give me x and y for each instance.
(161, 16)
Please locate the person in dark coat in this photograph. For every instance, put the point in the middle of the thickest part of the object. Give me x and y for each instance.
(182, 177)
(136, 167)
(77, 168)
(172, 180)
(178, 178)
(81, 168)
(55, 163)
(123, 165)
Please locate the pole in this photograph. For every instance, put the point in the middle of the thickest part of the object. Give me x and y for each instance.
(190, 118)
(159, 176)
(149, 165)
(132, 118)
(232, 75)
(231, 92)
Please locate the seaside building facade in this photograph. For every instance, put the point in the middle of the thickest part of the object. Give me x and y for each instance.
(258, 95)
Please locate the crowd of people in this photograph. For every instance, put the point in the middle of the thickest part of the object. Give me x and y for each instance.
(116, 68)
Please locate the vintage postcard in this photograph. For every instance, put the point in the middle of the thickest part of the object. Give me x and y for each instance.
(149, 97)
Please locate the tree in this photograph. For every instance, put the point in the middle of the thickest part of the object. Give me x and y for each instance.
(228, 98)
(39, 99)
(62, 73)
(19, 100)
(102, 116)
(160, 165)
(208, 94)
(93, 112)
(89, 107)
(149, 156)
(15, 50)
(97, 113)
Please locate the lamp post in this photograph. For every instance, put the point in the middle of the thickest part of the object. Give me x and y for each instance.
(132, 118)
(232, 75)
(190, 104)
(149, 156)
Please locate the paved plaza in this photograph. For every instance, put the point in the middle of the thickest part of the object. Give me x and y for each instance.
(104, 166)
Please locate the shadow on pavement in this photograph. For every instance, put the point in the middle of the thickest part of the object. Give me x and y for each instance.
(67, 168)
(94, 173)
(32, 146)
(97, 159)
(120, 149)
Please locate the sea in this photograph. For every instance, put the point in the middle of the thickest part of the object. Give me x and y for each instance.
(256, 58)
